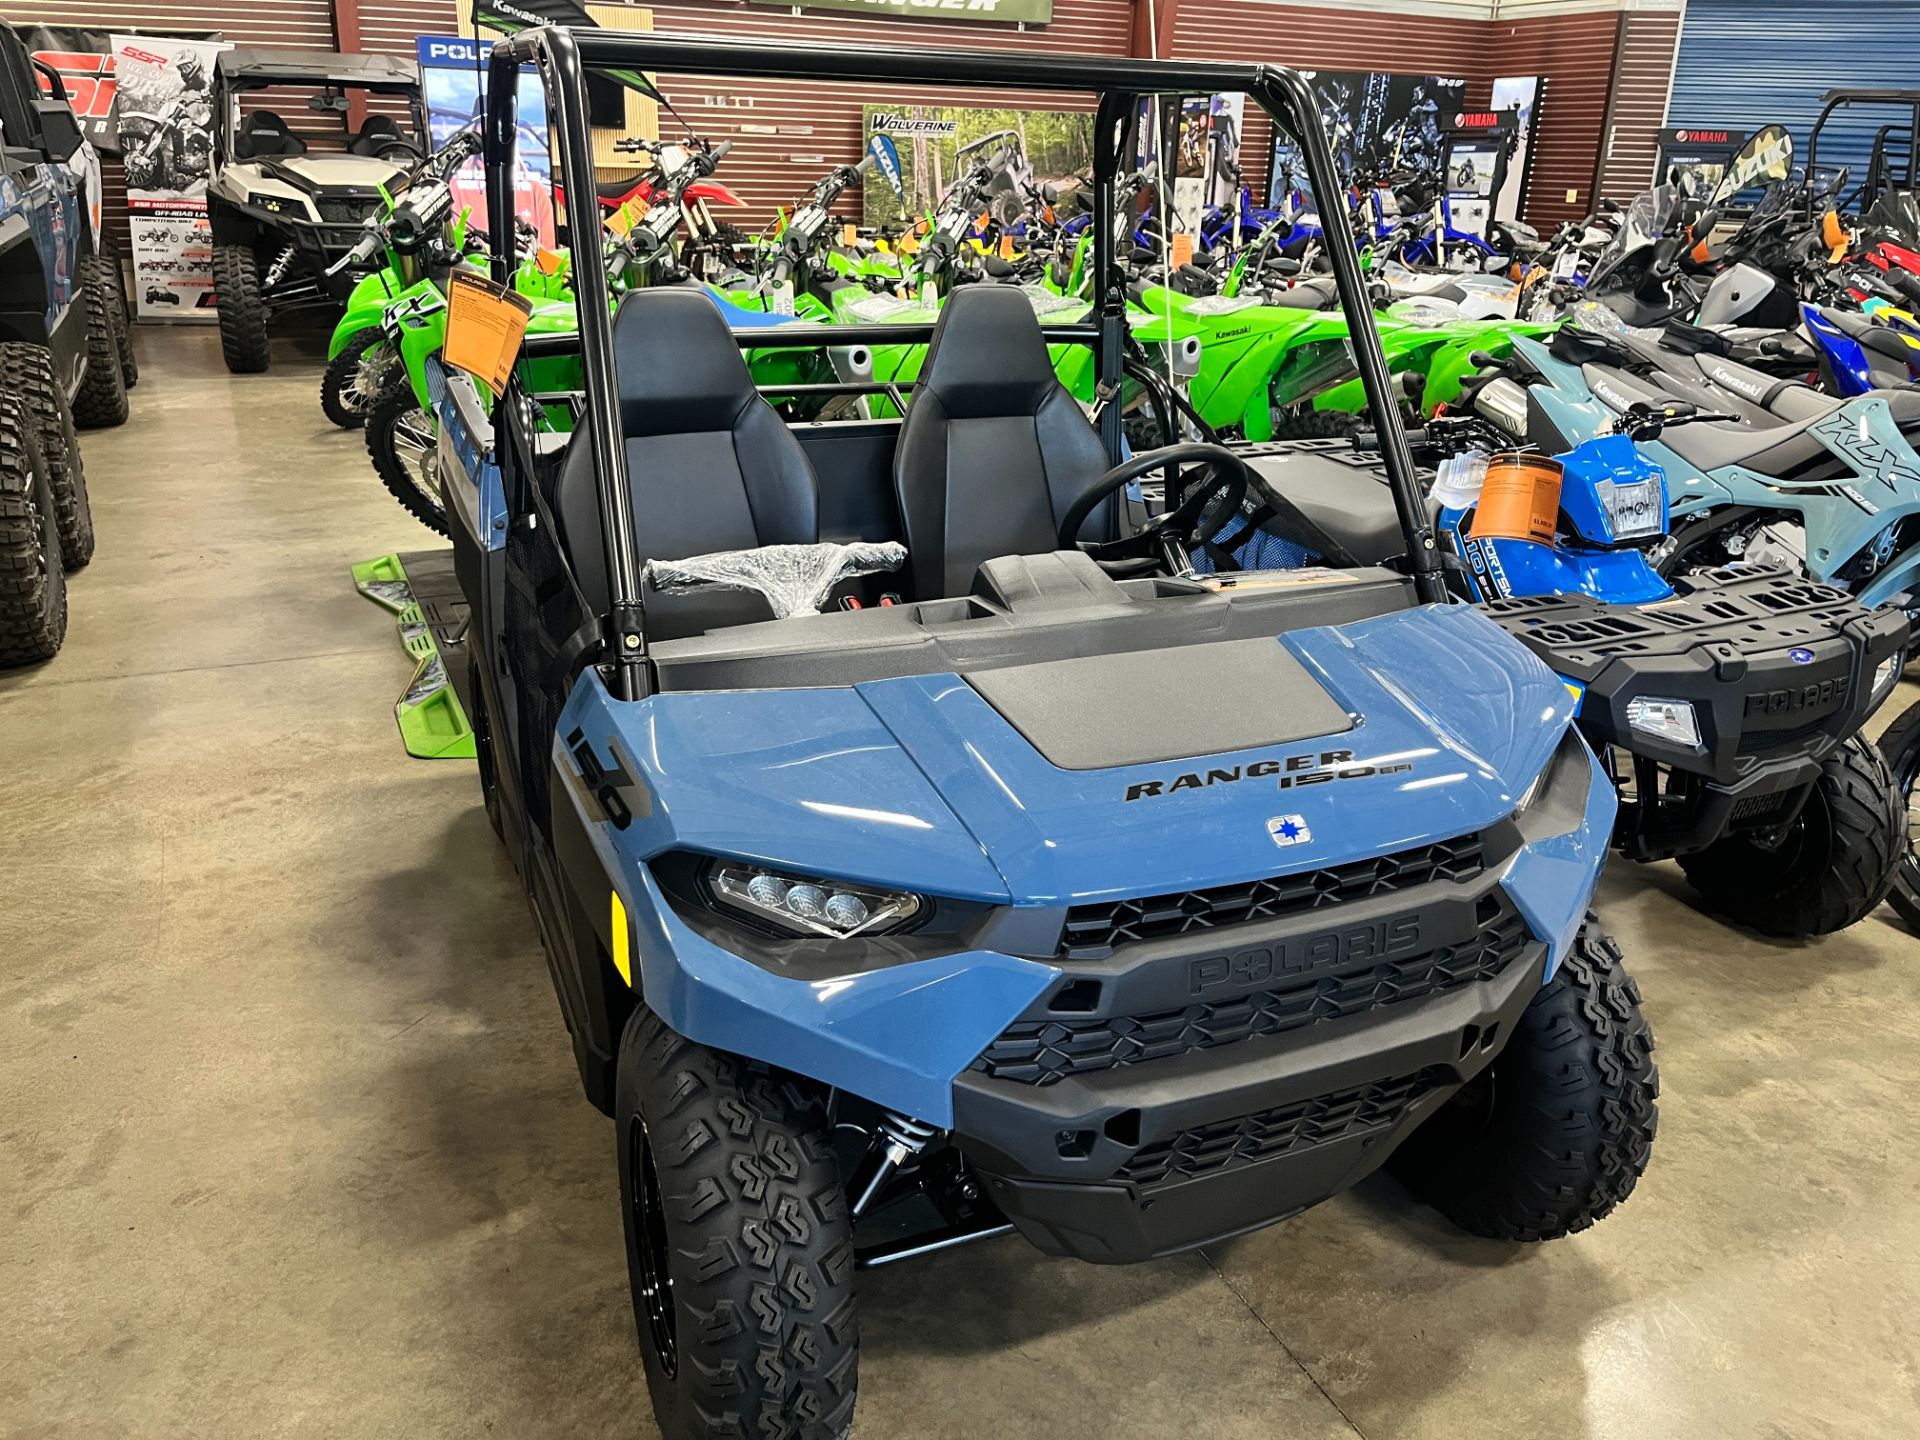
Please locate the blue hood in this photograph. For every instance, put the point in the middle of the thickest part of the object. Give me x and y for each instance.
(920, 783)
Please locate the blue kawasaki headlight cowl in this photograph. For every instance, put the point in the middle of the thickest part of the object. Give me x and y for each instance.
(803, 906)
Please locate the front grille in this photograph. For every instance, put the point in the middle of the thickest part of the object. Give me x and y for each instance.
(345, 212)
(1044, 1052)
(1755, 809)
(1093, 931)
(1283, 1130)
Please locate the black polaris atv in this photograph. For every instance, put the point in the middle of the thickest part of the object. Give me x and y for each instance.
(1727, 705)
(284, 211)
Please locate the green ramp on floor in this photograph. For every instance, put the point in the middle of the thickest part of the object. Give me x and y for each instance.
(431, 615)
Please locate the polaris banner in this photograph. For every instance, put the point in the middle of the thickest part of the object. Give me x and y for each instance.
(1026, 12)
(165, 116)
(453, 73)
(83, 58)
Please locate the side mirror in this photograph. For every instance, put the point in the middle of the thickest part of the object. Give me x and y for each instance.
(59, 128)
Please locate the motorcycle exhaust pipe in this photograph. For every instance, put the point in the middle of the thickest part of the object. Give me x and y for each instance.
(1504, 402)
(851, 363)
(1181, 356)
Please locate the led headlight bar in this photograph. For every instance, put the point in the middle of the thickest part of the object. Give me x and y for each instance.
(804, 906)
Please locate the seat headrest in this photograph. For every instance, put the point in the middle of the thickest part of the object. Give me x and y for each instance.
(678, 369)
(988, 358)
(264, 133)
(376, 130)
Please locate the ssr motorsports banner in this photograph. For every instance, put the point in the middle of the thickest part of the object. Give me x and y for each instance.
(84, 59)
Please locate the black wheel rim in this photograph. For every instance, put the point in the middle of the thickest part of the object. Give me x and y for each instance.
(655, 1279)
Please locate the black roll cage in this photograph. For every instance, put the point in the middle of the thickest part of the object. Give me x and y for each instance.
(564, 55)
(1844, 99)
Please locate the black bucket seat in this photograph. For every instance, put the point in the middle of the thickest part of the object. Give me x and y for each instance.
(994, 450)
(708, 463)
(264, 134)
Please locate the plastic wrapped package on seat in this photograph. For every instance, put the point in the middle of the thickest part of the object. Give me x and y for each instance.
(795, 579)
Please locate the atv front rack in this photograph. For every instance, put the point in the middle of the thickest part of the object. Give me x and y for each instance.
(1778, 671)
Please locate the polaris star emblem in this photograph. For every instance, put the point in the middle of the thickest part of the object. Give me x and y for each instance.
(1800, 657)
(1289, 830)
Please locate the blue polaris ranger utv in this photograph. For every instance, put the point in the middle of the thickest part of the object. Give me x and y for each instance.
(923, 849)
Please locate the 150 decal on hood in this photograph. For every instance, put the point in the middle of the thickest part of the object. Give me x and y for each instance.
(1288, 772)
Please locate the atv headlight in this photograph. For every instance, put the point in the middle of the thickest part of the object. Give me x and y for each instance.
(1673, 721)
(272, 204)
(801, 905)
(1885, 677)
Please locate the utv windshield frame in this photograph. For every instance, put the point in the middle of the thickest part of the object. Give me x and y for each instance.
(564, 56)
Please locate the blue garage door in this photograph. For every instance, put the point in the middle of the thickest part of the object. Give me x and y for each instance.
(1748, 63)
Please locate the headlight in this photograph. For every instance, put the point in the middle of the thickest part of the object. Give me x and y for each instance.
(1673, 721)
(1886, 675)
(272, 204)
(800, 905)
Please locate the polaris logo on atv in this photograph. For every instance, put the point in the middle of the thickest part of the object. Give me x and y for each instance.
(1260, 964)
(1826, 695)
(1289, 773)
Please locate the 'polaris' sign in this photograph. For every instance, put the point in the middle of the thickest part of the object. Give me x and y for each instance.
(1028, 12)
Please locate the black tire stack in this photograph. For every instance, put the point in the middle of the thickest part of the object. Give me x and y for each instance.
(46, 517)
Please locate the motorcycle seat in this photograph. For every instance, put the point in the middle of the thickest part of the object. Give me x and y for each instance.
(1872, 336)
(1307, 295)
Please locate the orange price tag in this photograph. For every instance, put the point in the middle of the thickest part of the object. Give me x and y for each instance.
(621, 221)
(485, 325)
(1182, 251)
(908, 245)
(549, 262)
(849, 233)
(1006, 247)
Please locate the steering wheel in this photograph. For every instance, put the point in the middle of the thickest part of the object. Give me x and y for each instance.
(1207, 505)
(391, 148)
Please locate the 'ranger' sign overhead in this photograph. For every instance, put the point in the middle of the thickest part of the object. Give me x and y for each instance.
(1032, 12)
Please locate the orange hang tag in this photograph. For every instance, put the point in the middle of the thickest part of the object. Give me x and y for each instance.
(1182, 251)
(849, 234)
(1520, 500)
(549, 262)
(908, 245)
(1006, 247)
(485, 325)
(621, 220)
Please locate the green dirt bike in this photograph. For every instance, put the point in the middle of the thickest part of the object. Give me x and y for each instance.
(423, 237)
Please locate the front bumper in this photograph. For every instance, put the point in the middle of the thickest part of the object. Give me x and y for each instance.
(1778, 669)
(1134, 1131)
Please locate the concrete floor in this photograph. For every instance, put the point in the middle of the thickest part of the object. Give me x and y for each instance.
(291, 1142)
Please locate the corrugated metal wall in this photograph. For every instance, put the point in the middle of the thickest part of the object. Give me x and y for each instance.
(1748, 63)
(302, 23)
